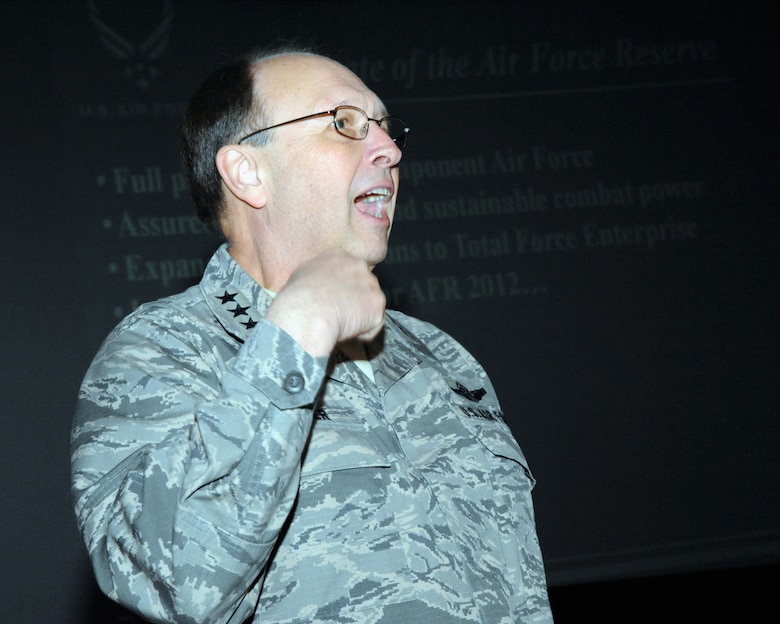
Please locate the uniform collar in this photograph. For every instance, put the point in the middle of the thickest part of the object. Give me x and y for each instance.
(236, 300)
(398, 354)
(390, 355)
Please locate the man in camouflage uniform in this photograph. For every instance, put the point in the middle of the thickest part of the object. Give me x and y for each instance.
(271, 445)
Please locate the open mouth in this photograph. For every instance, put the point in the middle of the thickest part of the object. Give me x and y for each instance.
(374, 202)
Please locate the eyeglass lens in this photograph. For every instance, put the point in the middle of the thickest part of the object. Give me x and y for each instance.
(353, 123)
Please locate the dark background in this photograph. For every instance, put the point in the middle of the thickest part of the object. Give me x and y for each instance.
(640, 377)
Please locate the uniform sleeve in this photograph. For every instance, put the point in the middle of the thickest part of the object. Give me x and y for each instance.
(185, 467)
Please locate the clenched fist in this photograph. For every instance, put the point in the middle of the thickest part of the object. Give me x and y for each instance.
(329, 299)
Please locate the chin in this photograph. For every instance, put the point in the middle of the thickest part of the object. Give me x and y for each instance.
(373, 260)
(373, 253)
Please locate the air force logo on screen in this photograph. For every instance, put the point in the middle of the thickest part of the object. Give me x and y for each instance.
(138, 54)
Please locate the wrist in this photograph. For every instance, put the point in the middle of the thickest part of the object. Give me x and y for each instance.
(314, 333)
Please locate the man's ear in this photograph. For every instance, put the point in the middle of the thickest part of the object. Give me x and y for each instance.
(242, 172)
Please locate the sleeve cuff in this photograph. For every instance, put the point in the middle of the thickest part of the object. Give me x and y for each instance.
(279, 367)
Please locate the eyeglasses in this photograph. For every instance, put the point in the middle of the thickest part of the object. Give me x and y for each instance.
(351, 122)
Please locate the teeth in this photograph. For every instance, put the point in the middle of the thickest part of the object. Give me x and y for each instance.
(374, 195)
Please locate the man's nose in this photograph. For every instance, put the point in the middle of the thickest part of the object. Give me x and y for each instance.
(383, 150)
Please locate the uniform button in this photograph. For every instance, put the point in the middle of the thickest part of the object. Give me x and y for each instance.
(293, 383)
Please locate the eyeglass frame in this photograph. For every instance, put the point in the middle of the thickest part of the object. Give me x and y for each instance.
(333, 112)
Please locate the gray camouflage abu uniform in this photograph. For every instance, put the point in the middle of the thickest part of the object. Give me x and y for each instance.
(221, 473)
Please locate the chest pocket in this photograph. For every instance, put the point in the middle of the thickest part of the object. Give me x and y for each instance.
(499, 442)
(340, 440)
(482, 416)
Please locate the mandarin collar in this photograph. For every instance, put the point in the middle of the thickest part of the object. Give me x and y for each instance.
(236, 300)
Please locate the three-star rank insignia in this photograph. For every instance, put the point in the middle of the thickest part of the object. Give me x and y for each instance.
(233, 304)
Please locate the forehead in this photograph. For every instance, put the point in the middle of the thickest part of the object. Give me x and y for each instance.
(298, 83)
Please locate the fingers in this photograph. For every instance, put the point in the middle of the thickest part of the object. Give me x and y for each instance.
(332, 298)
